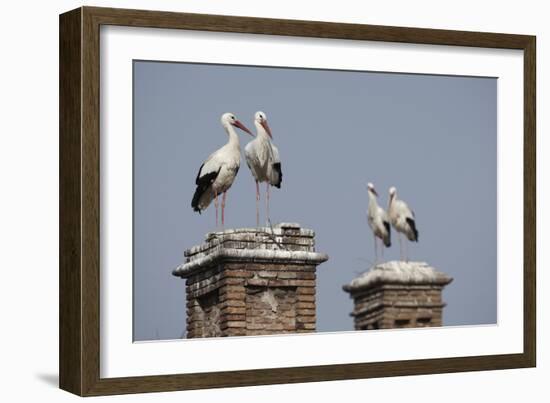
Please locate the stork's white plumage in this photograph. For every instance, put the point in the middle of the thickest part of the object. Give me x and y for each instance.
(402, 218)
(262, 157)
(378, 221)
(217, 173)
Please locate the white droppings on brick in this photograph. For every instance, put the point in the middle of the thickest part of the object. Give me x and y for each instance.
(399, 272)
(270, 299)
(284, 243)
(251, 255)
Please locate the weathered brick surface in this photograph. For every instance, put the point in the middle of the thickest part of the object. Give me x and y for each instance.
(398, 295)
(252, 282)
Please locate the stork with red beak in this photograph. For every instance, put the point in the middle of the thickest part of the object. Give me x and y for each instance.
(217, 173)
(378, 221)
(262, 157)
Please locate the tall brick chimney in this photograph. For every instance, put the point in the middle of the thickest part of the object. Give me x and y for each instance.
(251, 281)
(398, 294)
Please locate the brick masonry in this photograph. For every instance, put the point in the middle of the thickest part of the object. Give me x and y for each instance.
(398, 295)
(252, 281)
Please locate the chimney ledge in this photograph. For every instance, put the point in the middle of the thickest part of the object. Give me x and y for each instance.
(398, 272)
(249, 255)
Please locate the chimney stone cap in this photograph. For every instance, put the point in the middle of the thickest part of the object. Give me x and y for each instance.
(284, 243)
(398, 272)
(277, 229)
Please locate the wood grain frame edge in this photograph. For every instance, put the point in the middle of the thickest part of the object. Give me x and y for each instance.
(79, 201)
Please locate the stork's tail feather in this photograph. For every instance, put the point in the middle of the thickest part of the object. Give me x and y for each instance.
(279, 178)
(414, 231)
(203, 184)
(196, 197)
(387, 239)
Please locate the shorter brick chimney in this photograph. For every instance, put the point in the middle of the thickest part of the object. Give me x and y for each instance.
(251, 281)
(398, 294)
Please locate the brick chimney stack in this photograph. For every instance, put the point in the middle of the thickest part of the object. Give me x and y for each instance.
(398, 295)
(251, 281)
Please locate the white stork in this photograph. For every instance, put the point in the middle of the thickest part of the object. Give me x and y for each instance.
(217, 173)
(402, 219)
(262, 157)
(378, 221)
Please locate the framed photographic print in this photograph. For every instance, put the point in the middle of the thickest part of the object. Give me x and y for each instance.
(249, 201)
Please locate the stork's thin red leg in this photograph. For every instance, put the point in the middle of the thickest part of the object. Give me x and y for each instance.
(223, 208)
(216, 205)
(257, 204)
(375, 250)
(267, 201)
(400, 247)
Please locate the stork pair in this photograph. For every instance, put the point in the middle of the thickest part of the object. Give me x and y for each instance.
(399, 215)
(218, 172)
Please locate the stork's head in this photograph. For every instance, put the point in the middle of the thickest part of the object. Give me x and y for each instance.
(371, 189)
(230, 119)
(260, 118)
(393, 192)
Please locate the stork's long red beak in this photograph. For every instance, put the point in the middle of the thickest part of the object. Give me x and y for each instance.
(266, 127)
(238, 124)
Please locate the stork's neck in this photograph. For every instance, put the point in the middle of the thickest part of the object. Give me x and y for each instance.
(261, 132)
(233, 136)
(372, 198)
(393, 197)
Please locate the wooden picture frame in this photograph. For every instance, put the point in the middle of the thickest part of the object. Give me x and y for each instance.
(80, 187)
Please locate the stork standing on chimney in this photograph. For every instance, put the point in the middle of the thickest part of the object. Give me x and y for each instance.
(403, 220)
(378, 221)
(217, 173)
(262, 157)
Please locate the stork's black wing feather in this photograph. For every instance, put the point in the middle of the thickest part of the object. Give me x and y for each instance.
(277, 168)
(412, 225)
(387, 240)
(203, 183)
(199, 175)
